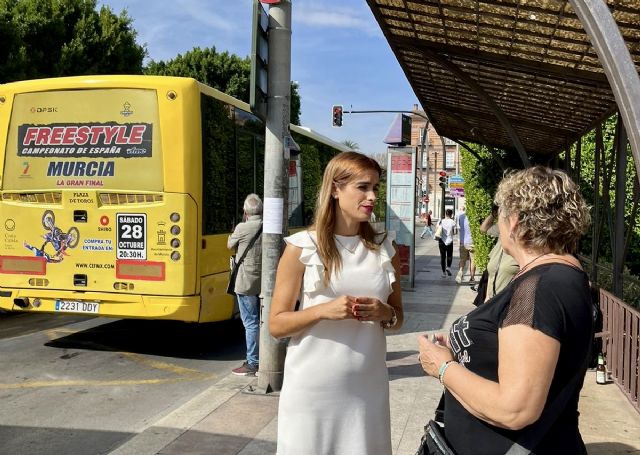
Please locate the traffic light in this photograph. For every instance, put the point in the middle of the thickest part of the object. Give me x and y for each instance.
(443, 179)
(337, 116)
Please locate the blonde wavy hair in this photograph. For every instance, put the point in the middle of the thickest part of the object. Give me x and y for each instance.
(341, 170)
(552, 215)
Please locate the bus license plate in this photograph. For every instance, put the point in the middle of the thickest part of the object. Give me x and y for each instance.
(76, 306)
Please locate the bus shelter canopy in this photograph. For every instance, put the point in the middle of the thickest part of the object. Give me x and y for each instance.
(530, 61)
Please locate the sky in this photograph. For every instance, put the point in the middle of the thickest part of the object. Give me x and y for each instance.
(338, 56)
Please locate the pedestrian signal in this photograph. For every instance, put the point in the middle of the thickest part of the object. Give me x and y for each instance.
(337, 116)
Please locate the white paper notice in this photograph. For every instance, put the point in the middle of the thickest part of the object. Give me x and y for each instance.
(272, 215)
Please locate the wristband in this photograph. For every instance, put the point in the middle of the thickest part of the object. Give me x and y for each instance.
(442, 369)
(391, 322)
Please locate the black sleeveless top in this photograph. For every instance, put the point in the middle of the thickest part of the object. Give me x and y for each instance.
(553, 298)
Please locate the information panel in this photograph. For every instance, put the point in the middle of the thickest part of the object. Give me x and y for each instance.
(401, 203)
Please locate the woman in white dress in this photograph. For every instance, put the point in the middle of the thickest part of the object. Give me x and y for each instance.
(335, 394)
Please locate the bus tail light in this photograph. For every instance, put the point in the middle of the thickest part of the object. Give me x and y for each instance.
(23, 265)
(40, 282)
(140, 270)
(123, 286)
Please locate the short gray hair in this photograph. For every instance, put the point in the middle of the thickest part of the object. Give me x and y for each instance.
(252, 205)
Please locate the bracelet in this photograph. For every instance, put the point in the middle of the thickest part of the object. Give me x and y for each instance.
(391, 322)
(443, 368)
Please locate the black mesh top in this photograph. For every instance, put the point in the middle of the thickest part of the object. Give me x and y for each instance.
(553, 298)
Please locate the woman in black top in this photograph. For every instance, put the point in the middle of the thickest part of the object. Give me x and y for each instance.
(520, 359)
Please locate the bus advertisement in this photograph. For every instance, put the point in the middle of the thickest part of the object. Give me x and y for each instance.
(118, 194)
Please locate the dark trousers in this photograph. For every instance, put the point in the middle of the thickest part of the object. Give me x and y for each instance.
(446, 251)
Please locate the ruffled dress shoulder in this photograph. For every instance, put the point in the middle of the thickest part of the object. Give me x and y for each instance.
(314, 271)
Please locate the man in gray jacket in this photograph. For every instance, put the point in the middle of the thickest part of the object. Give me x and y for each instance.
(247, 286)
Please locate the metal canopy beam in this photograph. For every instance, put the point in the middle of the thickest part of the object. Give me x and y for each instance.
(480, 92)
(515, 63)
(470, 113)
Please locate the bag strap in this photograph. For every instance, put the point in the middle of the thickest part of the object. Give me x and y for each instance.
(495, 276)
(244, 253)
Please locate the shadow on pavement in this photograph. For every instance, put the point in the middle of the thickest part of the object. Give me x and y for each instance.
(54, 441)
(610, 448)
(14, 323)
(403, 364)
(210, 341)
(202, 443)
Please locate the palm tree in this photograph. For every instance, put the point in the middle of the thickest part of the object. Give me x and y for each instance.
(353, 145)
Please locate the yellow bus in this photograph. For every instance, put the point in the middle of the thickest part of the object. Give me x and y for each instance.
(118, 194)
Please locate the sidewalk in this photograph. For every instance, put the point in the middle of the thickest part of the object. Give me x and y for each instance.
(225, 421)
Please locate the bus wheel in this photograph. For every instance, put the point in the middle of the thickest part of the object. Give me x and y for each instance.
(73, 237)
(48, 219)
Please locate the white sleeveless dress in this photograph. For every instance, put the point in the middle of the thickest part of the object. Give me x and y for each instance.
(335, 394)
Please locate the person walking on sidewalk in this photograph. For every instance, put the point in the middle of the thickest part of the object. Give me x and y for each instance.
(445, 242)
(335, 393)
(248, 281)
(513, 368)
(466, 248)
(426, 218)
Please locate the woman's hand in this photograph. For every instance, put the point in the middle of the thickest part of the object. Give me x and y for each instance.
(339, 308)
(371, 309)
(432, 355)
(441, 338)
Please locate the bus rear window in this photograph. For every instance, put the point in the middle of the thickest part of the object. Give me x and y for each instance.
(102, 138)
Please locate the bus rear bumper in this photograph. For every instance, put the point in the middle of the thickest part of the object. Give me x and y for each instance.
(178, 308)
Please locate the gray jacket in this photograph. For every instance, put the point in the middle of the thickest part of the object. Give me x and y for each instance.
(250, 271)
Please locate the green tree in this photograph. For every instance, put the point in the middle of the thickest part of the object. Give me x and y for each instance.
(50, 38)
(479, 189)
(221, 70)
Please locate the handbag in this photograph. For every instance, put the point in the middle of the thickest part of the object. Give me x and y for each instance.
(438, 234)
(433, 441)
(234, 265)
(482, 289)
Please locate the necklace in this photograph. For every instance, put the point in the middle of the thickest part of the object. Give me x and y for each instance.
(350, 250)
(526, 266)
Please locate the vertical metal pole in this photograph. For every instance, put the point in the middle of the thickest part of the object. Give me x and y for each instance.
(435, 183)
(276, 182)
(444, 167)
(618, 235)
(595, 239)
(578, 162)
(424, 150)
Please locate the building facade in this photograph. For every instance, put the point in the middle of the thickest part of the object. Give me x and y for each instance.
(437, 154)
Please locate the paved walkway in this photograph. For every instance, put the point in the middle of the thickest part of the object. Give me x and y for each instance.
(225, 421)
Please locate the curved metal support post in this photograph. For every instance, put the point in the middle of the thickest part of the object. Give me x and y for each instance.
(480, 92)
(617, 64)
